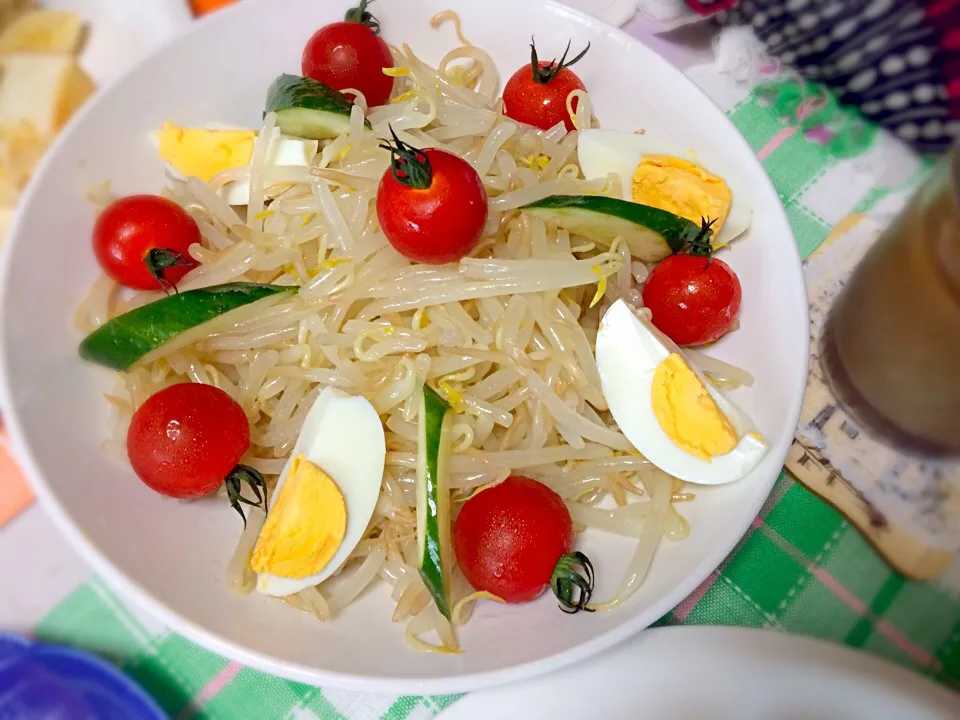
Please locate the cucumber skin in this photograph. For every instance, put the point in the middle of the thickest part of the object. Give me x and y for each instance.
(119, 343)
(433, 570)
(292, 92)
(677, 231)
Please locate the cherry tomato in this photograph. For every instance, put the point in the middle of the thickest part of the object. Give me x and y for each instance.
(431, 204)
(537, 93)
(186, 439)
(694, 299)
(141, 239)
(351, 54)
(514, 539)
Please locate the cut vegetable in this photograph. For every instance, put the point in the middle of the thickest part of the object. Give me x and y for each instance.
(651, 234)
(433, 497)
(126, 339)
(309, 109)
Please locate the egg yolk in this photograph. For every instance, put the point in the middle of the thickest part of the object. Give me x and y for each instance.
(683, 188)
(686, 412)
(305, 526)
(195, 152)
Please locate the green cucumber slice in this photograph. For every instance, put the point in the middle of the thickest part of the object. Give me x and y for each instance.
(433, 497)
(128, 338)
(309, 109)
(651, 234)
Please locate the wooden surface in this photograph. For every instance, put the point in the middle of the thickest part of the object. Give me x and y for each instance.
(906, 554)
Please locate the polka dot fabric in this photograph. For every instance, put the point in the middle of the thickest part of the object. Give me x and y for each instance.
(897, 60)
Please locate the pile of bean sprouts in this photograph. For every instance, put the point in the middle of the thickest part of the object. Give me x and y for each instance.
(506, 335)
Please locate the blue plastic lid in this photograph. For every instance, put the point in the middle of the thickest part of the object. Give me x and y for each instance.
(45, 682)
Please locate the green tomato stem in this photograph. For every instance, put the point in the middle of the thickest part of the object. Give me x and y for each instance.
(159, 259)
(543, 75)
(572, 582)
(410, 166)
(234, 482)
(700, 246)
(360, 15)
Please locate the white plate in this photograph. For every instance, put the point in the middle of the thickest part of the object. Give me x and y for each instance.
(170, 556)
(691, 673)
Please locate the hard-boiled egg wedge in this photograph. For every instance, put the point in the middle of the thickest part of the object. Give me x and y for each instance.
(664, 174)
(206, 152)
(666, 407)
(325, 497)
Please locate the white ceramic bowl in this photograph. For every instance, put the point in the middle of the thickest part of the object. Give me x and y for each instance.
(170, 556)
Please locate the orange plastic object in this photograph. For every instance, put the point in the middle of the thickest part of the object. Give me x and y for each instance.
(15, 493)
(202, 7)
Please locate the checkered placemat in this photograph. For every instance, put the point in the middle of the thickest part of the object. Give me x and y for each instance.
(800, 568)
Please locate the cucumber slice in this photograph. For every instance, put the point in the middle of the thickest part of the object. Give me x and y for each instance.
(651, 234)
(433, 497)
(309, 109)
(128, 338)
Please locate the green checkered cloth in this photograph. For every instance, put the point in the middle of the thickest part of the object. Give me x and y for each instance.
(801, 568)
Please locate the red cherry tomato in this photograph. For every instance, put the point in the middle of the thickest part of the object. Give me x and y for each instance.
(431, 204)
(694, 299)
(186, 439)
(514, 539)
(351, 54)
(141, 238)
(537, 93)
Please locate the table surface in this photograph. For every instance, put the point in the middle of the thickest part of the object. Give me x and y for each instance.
(800, 568)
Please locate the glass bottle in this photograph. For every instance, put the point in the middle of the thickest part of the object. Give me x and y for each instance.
(890, 349)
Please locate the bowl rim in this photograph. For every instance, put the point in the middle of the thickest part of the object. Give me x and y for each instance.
(140, 597)
(93, 664)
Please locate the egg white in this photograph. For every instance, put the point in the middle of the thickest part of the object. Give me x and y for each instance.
(602, 152)
(343, 436)
(285, 151)
(629, 349)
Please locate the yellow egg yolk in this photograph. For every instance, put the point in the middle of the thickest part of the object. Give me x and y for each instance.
(195, 152)
(686, 412)
(305, 526)
(683, 188)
